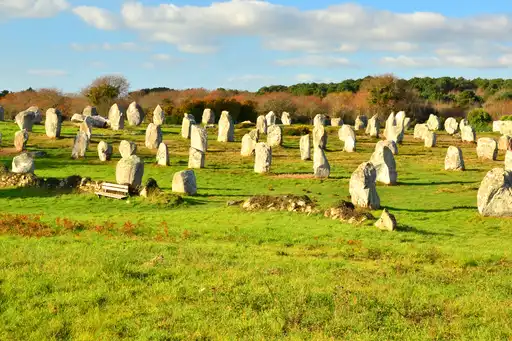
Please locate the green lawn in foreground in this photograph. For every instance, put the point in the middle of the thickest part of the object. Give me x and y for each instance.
(227, 274)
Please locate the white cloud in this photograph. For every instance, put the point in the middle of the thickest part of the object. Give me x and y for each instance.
(314, 60)
(97, 17)
(31, 8)
(47, 72)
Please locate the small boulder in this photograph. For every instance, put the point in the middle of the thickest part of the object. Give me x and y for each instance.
(184, 182)
(319, 137)
(386, 222)
(52, 123)
(390, 144)
(90, 111)
(384, 162)
(361, 122)
(77, 118)
(208, 116)
(270, 118)
(248, 145)
(104, 151)
(350, 144)
(25, 120)
(451, 126)
(116, 117)
(345, 131)
(80, 145)
(226, 128)
(23, 163)
(430, 139)
(286, 118)
(261, 124)
(135, 114)
(420, 130)
(373, 126)
(505, 142)
(433, 123)
(319, 120)
(336, 122)
(86, 127)
(186, 124)
(199, 138)
(487, 148)
(20, 140)
(454, 159)
(467, 133)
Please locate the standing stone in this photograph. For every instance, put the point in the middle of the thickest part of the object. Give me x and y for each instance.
(420, 130)
(198, 138)
(184, 182)
(467, 133)
(208, 117)
(127, 148)
(495, 194)
(158, 116)
(248, 145)
(195, 158)
(263, 158)
(80, 145)
(261, 124)
(463, 123)
(116, 117)
(153, 136)
(336, 122)
(319, 120)
(454, 159)
(350, 144)
(271, 118)
(129, 171)
(286, 119)
(390, 144)
(226, 128)
(255, 135)
(385, 165)
(23, 163)
(390, 123)
(395, 133)
(20, 140)
(386, 222)
(162, 155)
(25, 120)
(487, 148)
(362, 188)
(451, 126)
(319, 137)
(274, 136)
(86, 127)
(433, 123)
(305, 148)
(430, 139)
(2, 113)
(506, 128)
(360, 123)
(135, 114)
(321, 167)
(400, 118)
(346, 131)
(90, 111)
(508, 160)
(104, 151)
(52, 123)
(373, 126)
(38, 115)
(186, 124)
(407, 123)
(496, 126)
(505, 143)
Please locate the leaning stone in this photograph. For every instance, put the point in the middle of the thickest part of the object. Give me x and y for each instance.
(336, 122)
(350, 144)
(433, 123)
(52, 124)
(505, 143)
(261, 124)
(23, 163)
(135, 114)
(319, 120)
(208, 117)
(270, 118)
(319, 137)
(321, 167)
(226, 128)
(77, 118)
(86, 127)
(158, 116)
(184, 182)
(199, 138)
(90, 111)
(361, 122)
(454, 159)
(195, 158)
(286, 119)
(186, 124)
(373, 126)
(430, 139)
(508, 160)
(451, 126)
(162, 155)
(129, 171)
(248, 145)
(495, 194)
(385, 165)
(20, 140)
(420, 130)
(104, 151)
(467, 133)
(274, 136)
(487, 148)
(362, 187)
(127, 148)
(153, 136)
(25, 120)
(263, 158)
(80, 145)
(386, 222)
(116, 117)
(390, 144)
(305, 148)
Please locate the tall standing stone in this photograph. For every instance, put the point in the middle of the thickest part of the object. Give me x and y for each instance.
(350, 144)
(129, 171)
(286, 119)
(135, 114)
(162, 155)
(305, 148)
(487, 148)
(116, 117)
(52, 123)
(390, 144)
(23, 163)
(262, 158)
(451, 126)
(261, 124)
(195, 158)
(80, 145)
(494, 197)
(362, 187)
(186, 124)
(321, 167)
(25, 120)
(226, 128)
(390, 123)
(153, 136)
(433, 123)
(104, 151)
(198, 138)
(90, 111)
(319, 137)
(373, 126)
(361, 122)
(467, 133)
(271, 118)
(20, 140)
(208, 116)
(319, 120)
(430, 139)
(184, 182)
(158, 116)
(385, 165)
(86, 127)
(454, 159)
(274, 136)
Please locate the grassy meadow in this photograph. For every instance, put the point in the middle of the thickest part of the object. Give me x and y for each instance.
(75, 267)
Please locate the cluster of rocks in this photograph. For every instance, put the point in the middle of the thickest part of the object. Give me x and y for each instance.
(290, 203)
(347, 212)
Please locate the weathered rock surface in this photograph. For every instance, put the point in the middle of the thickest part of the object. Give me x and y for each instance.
(86, 127)
(433, 123)
(25, 120)
(390, 144)
(261, 124)
(290, 203)
(53, 122)
(153, 136)
(305, 148)
(386, 222)
(361, 122)
(464, 122)
(116, 117)
(467, 133)
(20, 140)
(362, 187)
(186, 125)
(487, 148)
(505, 142)
(90, 111)
(390, 123)
(127, 148)
(319, 137)
(38, 114)
(195, 158)
(451, 126)
(23, 163)
(430, 139)
(319, 120)
(350, 144)
(506, 128)
(80, 145)
(385, 165)
(208, 116)
(346, 131)
(135, 114)
(454, 159)
(129, 171)
(199, 138)
(495, 194)
(286, 118)
(373, 126)
(271, 118)
(248, 145)
(263, 158)
(184, 182)
(508, 160)
(496, 126)
(162, 155)
(321, 167)
(226, 128)
(420, 130)
(158, 116)
(104, 151)
(274, 136)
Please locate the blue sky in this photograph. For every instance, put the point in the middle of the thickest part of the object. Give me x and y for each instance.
(246, 44)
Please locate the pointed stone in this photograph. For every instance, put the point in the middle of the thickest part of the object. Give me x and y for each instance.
(263, 158)
(226, 128)
(386, 222)
(162, 155)
(305, 148)
(321, 167)
(362, 188)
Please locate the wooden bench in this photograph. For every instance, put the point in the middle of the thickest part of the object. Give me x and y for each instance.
(113, 191)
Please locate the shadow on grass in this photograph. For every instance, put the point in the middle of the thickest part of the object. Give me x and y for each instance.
(410, 229)
(400, 183)
(30, 192)
(438, 210)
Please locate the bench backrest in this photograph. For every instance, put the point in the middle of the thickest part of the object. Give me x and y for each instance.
(106, 186)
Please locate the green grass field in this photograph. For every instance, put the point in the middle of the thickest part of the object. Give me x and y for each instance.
(445, 274)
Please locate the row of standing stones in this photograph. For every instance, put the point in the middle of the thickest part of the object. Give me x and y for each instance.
(494, 196)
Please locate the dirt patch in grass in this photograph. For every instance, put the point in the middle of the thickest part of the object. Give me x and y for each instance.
(347, 212)
(291, 203)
